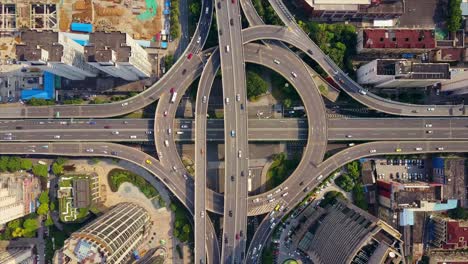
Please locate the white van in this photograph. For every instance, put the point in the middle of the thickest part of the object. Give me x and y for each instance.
(227, 48)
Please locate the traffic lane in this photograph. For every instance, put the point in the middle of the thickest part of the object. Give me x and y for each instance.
(397, 134)
(76, 135)
(58, 124)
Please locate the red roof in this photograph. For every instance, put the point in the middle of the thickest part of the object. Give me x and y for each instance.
(384, 185)
(457, 236)
(398, 39)
(452, 54)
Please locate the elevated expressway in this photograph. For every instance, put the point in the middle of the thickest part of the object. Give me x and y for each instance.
(228, 18)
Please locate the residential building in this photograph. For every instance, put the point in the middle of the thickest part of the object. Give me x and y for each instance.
(449, 233)
(18, 196)
(8, 17)
(352, 10)
(55, 53)
(109, 239)
(383, 73)
(118, 55)
(344, 233)
(396, 40)
(13, 254)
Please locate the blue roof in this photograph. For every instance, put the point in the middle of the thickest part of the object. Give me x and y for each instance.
(164, 45)
(464, 8)
(83, 27)
(47, 93)
(406, 218)
(446, 206)
(438, 163)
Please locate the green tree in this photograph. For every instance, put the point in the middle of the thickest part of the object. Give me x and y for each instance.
(57, 169)
(173, 207)
(186, 228)
(44, 197)
(49, 221)
(14, 164)
(4, 163)
(95, 160)
(26, 164)
(454, 15)
(61, 160)
(40, 170)
(30, 225)
(169, 61)
(195, 8)
(287, 102)
(255, 85)
(14, 224)
(52, 206)
(353, 170)
(345, 182)
(43, 209)
(360, 197)
(176, 233)
(18, 232)
(458, 213)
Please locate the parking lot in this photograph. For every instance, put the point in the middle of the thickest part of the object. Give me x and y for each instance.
(401, 169)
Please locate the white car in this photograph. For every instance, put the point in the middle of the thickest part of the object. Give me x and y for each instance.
(204, 99)
(428, 125)
(169, 131)
(133, 136)
(431, 109)
(294, 74)
(239, 154)
(89, 150)
(351, 144)
(115, 132)
(440, 148)
(185, 176)
(125, 104)
(238, 97)
(372, 151)
(349, 136)
(276, 61)
(418, 149)
(57, 136)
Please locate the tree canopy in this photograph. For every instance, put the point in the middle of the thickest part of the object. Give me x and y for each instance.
(255, 85)
(454, 15)
(40, 170)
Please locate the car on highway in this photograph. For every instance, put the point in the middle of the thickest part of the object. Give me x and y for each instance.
(202, 214)
(201, 151)
(428, 125)
(440, 148)
(185, 176)
(372, 151)
(349, 136)
(8, 134)
(233, 133)
(57, 136)
(165, 113)
(184, 126)
(429, 131)
(198, 39)
(398, 150)
(190, 55)
(418, 149)
(107, 127)
(174, 168)
(219, 5)
(149, 132)
(230, 213)
(19, 127)
(115, 132)
(184, 71)
(238, 97)
(241, 233)
(7, 138)
(227, 48)
(133, 137)
(239, 154)
(276, 61)
(294, 74)
(242, 106)
(166, 143)
(231, 21)
(89, 150)
(233, 1)
(232, 177)
(204, 99)
(169, 131)
(351, 144)
(227, 100)
(125, 104)
(237, 236)
(431, 109)
(363, 92)
(114, 153)
(125, 122)
(148, 161)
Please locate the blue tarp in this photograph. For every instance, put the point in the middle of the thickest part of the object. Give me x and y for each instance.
(451, 204)
(164, 45)
(47, 93)
(82, 27)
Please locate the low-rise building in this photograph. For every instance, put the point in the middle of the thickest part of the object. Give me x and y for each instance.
(449, 233)
(352, 10)
(54, 52)
(396, 40)
(402, 73)
(16, 254)
(118, 55)
(344, 233)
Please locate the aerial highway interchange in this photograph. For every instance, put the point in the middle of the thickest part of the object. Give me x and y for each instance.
(81, 130)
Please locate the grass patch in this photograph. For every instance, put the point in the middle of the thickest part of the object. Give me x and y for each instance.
(137, 114)
(280, 169)
(118, 176)
(323, 89)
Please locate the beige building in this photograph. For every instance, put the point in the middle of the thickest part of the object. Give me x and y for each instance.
(55, 53)
(118, 55)
(109, 239)
(15, 254)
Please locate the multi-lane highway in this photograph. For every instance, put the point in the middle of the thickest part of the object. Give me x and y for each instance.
(228, 19)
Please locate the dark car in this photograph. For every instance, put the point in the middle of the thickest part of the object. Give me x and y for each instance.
(219, 5)
(241, 233)
(242, 173)
(107, 126)
(230, 213)
(19, 127)
(114, 153)
(184, 71)
(237, 236)
(232, 177)
(231, 22)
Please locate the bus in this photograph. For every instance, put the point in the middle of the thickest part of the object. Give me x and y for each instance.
(277, 207)
(174, 96)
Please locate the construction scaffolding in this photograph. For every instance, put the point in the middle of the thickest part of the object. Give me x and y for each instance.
(7, 17)
(43, 16)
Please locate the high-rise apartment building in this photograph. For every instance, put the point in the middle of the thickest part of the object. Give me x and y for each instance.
(10, 254)
(55, 53)
(109, 239)
(118, 55)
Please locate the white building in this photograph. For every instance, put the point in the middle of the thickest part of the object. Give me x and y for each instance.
(54, 52)
(118, 55)
(402, 73)
(15, 254)
(458, 84)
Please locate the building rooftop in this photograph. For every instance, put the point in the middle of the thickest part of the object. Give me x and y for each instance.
(457, 234)
(105, 47)
(398, 39)
(405, 69)
(393, 7)
(81, 198)
(36, 45)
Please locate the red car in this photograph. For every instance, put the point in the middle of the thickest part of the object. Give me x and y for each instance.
(237, 236)
(107, 127)
(189, 56)
(233, 1)
(172, 90)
